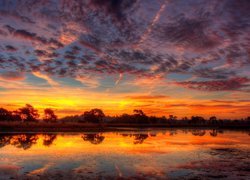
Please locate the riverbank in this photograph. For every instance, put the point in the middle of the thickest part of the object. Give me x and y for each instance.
(87, 127)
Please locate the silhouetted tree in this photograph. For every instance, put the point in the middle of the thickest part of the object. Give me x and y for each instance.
(124, 118)
(248, 120)
(75, 118)
(93, 138)
(139, 112)
(49, 115)
(28, 113)
(197, 120)
(213, 120)
(94, 115)
(16, 116)
(5, 115)
(140, 117)
(172, 118)
(185, 118)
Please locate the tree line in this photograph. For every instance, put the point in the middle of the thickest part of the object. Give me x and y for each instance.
(29, 114)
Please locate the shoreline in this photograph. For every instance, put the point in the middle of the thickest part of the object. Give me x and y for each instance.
(87, 127)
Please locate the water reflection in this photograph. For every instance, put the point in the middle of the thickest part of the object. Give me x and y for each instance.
(25, 141)
(48, 139)
(4, 140)
(198, 132)
(172, 154)
(93, 138)
(139, 138)
(215, 132)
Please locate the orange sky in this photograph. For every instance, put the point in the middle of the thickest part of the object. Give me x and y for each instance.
(70, 101)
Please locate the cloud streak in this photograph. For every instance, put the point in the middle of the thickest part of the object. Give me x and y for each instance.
(237, 83)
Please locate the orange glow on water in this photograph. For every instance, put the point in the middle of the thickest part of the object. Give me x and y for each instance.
(124, 153)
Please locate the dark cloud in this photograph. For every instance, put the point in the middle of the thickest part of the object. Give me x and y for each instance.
(236, 83)
(9, 28)
(26, 35)
(213, 74)
(34, 37)
(114, 7)
(10, 48)
(206, 39)
(69, 57)
(238, 17)
(40, 53)
(189, 33)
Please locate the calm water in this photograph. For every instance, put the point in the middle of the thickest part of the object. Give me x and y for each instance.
(153, 154)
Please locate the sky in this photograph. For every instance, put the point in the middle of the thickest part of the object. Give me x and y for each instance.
(180, 57)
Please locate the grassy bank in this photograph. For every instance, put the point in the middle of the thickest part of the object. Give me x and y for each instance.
(81, 127)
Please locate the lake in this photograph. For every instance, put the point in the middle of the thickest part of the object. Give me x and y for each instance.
(127, 154)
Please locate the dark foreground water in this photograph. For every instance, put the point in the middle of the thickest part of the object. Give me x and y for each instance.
(151, 154)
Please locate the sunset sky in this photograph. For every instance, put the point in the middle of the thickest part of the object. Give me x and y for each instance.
(181, 57)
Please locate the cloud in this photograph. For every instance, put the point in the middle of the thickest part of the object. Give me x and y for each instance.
(148, 97)
(10, 48)
(47, 78)
(236, 83)
(114, 7)
(233, 101)
(31, 36)
(190, 33)
(213, 73)
(144, 39)
(12, 76)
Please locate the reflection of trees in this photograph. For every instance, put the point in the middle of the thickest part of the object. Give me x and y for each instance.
(198, 132)
(4, 140)
(93, 138)
(24, 141)
(172, 132)
(48, 139)
(214, 133)
(152, 134)
(139, 138)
